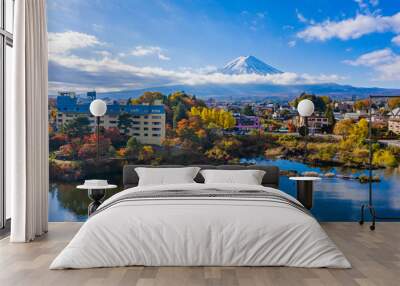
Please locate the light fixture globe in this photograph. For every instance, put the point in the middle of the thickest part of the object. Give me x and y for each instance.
(98, 107)
(305, 108)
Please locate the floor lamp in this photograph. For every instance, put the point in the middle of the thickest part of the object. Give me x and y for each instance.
(98, 108)
(305, 109)
(370, 205)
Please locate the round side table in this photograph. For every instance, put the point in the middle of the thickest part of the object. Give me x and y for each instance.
(96, 194)
(305, 186)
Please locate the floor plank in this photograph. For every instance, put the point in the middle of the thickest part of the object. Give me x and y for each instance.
(375, 257)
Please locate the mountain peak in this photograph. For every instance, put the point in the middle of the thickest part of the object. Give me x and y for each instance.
(248, 65)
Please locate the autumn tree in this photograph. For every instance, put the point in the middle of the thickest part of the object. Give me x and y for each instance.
(394, 102)
(361, 104)
(213, 117)
(146, 153)
(149, 97)
(77, 127)
(57, 141)
(89, 148)
(384, 158)
(343, 127)
(117, 139)
(179, 114)
(224, 149)
(133, 147)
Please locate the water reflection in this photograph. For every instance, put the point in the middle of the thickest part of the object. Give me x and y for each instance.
(335, 199)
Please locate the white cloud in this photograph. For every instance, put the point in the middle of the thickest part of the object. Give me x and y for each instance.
(385, 62)
(390, 71)
(351, 28)
(374, 58)
(361, 4)
(62, 43)
(365, 5)
(103, 53)
(396, 40)
(141, 51)
(292, 44)
(300, 17)
(105, 71)
(303, 19)
(374, 2)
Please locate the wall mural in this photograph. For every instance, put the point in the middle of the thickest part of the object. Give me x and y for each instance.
(189, 82)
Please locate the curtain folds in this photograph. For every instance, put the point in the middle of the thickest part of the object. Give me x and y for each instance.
(27, 123)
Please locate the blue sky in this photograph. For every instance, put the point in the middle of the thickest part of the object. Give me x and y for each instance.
(116, 45)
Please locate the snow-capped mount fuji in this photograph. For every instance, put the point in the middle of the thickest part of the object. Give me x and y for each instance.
(251, 65)
(248, 65)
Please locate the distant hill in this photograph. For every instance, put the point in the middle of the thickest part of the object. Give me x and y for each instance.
(252, 65)
(259, 91)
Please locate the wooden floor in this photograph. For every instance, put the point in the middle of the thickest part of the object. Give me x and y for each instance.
(375, 257)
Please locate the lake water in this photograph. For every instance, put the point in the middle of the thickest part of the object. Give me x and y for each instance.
(335, 199)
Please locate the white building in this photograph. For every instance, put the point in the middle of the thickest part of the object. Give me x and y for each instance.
(148, 121)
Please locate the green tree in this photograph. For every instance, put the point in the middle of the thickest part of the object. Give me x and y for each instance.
(330, 115)
(124, 122)
(320, 102)
(248, 110)
(179, 114)
(77, 127)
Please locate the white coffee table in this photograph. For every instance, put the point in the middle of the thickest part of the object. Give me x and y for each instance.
(96, 194)
(305, 187)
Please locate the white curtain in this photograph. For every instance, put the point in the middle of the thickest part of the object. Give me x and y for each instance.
(27, 124)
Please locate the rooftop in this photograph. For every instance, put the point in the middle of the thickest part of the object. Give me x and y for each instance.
(69, 104)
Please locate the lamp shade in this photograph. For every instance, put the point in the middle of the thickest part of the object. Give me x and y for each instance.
(98, 107)
(305, 108)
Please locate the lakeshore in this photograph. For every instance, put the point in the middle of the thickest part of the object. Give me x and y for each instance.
(336, 198)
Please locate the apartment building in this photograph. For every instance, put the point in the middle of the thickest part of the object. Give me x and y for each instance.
(148, 121)
(316, 123)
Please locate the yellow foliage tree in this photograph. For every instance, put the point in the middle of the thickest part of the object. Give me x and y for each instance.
(384, 158)
(214, 117)
(146, 153)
